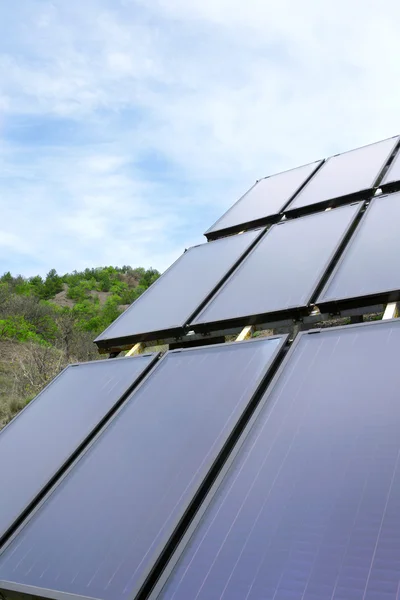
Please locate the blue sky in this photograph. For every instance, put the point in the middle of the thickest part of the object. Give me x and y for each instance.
(128, 127)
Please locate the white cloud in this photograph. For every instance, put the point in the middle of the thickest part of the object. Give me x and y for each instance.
(171, 109)
(13, 243)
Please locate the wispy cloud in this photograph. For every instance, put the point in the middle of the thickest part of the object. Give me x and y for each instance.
(127, 127)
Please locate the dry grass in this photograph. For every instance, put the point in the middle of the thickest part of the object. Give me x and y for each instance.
(9, 404)
(61, 299)
(25, 369)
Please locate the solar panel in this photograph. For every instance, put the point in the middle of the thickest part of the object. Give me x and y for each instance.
(102, 529)
(308, 507)
(264, 200)
(392, 175)
(280, 275)
(344, 175)
(39, 441)
(368, 271)
(165, 308)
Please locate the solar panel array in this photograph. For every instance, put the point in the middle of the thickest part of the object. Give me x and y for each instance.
(341, 178)
(99, 533)
(308, 507)
(270, 273)
(258, 470)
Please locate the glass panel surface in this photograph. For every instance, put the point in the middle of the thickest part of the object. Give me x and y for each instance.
(100, 531)
(309, 508)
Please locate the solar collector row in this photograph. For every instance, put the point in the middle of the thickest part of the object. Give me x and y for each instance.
(278, 275)
(102, 529)
(300, 513)
(339, 179)
(271, 275)
(307, 506)
(167, 306)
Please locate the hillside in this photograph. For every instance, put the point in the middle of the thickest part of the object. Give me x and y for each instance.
(46, 323)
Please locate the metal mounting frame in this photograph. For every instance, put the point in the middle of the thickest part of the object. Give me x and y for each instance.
(310, 209)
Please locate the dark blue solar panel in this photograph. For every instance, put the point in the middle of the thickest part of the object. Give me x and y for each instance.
(282, 272)
(36, 444)
(98, 533)
(369, 265)
(265, 199)
(309, 509)
(165, 308)
(345, 174)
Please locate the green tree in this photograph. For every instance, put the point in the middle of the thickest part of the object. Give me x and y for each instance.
(7, 278)
(149, 277)
(37, 285)
(17, 328)
(52, 285)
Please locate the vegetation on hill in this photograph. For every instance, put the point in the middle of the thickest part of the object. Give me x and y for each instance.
(46, 323)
